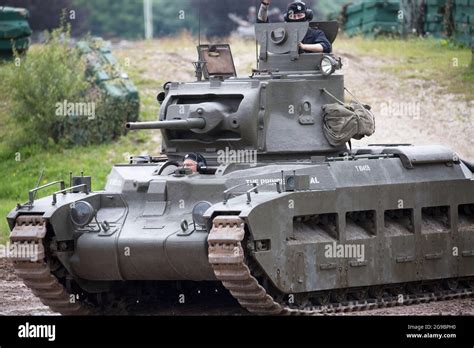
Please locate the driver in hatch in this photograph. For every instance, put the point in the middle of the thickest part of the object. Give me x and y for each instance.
(195, 161)
(315, 41)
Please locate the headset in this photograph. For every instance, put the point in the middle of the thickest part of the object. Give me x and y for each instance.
(198, 158)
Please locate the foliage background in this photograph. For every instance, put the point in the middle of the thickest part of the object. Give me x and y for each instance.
(124, 18)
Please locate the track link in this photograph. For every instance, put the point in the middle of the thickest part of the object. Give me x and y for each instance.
(28, 234)
(226, 256)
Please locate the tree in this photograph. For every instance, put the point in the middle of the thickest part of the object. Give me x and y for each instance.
(113, 18)
(47, 14)
(171, 17)
(124, 18)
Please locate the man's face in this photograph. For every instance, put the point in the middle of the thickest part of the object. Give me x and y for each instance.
(296, 16)
(189, 163)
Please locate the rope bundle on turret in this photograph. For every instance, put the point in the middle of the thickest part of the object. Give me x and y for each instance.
(341, 123)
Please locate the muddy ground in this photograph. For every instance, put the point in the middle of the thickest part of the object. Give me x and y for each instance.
(438, 118)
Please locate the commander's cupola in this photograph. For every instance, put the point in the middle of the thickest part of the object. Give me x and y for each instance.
(279, 51)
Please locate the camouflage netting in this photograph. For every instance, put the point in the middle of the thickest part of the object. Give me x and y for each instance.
(341, 123)
(15, 31)
(115, 97)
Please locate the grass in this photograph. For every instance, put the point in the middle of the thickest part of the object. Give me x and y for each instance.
(19, 174)
(151, 64)
(427, 59)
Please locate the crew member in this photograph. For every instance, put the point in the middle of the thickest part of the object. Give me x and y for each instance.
(195, 161)
(315, 40)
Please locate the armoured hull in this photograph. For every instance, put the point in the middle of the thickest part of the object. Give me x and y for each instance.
(404, 222)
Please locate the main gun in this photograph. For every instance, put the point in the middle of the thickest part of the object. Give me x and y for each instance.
(190, 123)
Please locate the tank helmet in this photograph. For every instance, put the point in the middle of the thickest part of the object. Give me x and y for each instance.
(198, 158)
(298, 7)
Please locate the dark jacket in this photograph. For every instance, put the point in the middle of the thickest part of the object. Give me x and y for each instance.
(316, 36)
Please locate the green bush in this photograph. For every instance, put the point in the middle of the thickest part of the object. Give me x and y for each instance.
(53, 99)
(48, 75)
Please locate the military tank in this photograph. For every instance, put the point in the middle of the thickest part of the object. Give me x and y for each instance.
(279, 217)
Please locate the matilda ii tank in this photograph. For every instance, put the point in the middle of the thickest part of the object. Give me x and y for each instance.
(280, 212)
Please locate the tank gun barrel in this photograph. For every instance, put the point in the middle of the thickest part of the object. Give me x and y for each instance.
(190, 123)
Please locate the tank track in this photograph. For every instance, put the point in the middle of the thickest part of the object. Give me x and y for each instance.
(36, 272)
(227, 258)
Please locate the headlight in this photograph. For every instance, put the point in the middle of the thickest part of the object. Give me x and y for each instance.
(290, 183)
(198, 213)
(328, 65)
(82, 213)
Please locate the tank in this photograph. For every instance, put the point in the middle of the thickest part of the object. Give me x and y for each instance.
(276, 217)
(15, 31)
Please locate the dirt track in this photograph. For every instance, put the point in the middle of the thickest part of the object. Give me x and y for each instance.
(426, 113)
(443, 119)
(16, 299)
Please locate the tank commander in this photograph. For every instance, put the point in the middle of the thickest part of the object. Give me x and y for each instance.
(315, 41)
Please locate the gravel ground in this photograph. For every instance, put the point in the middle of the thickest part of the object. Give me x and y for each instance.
(435, 118)
(412, 111)
(17, 299)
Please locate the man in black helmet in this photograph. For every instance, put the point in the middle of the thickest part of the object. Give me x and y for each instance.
(315, 41)
(195, 161)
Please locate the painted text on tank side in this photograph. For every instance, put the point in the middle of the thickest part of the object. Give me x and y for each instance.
(364, 168)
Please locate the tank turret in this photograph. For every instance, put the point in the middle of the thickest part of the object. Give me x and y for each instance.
(277, 111)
